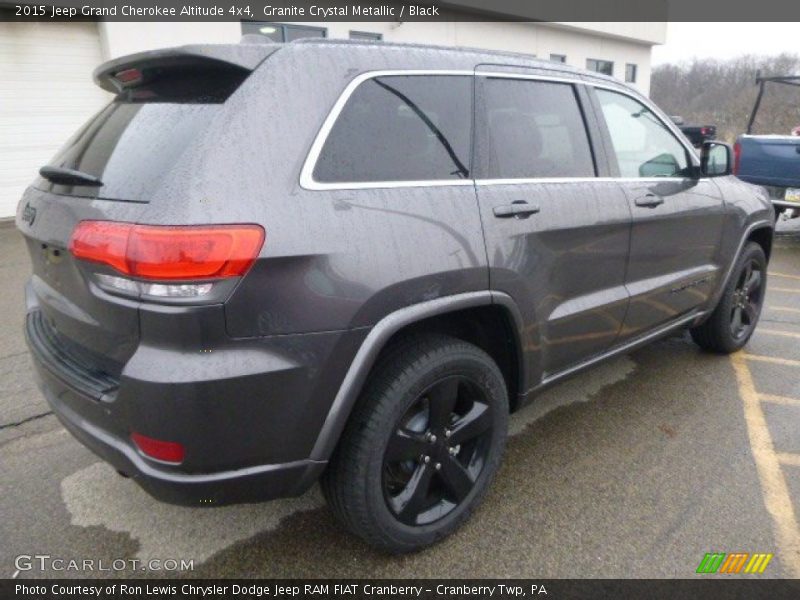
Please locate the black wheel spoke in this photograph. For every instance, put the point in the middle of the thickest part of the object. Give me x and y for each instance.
(442, 399)
(410, 502)
(750, 310)
(456, 478)
(753, 282)
(475, 422)
(748, 270)
(736, 320)
(405, 445)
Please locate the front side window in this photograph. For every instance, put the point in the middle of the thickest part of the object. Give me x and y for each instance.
(530, 129)
(401, 128)
(643, 144)
(606, 67)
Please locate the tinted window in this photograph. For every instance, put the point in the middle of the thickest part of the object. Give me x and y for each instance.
(531, 129)
(643, 144)
(401, 128)
(131, 146)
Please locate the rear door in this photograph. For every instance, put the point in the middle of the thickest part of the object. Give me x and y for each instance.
(557, 235)
(675, 259)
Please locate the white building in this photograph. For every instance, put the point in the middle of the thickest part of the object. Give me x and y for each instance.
(46, 91)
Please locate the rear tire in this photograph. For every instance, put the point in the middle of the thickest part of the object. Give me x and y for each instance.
(430, 396)
(735, 318)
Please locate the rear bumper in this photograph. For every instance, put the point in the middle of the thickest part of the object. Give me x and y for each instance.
(249, 484)
(247, 414)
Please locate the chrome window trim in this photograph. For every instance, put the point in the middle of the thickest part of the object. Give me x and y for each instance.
(308, 182)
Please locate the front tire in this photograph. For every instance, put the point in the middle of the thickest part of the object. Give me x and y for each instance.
(735, 318)
(422, 446)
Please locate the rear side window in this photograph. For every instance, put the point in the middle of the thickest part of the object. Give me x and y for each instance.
(531, 129)
(401, 128)
(643, 144)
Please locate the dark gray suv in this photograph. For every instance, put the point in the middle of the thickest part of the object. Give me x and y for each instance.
(261, 265)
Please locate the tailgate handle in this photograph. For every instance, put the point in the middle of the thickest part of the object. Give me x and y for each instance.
(518, 208)
(649, 200)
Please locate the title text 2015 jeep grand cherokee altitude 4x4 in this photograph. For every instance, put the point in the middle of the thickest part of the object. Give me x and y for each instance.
(261, 265)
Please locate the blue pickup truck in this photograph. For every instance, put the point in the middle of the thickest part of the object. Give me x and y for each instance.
(772, 161)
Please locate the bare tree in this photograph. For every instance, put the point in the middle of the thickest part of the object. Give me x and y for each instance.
(722, 93)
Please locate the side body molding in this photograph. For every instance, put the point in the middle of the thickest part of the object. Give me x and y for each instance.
(376, 340)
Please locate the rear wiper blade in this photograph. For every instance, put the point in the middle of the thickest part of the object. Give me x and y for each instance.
(69, 176)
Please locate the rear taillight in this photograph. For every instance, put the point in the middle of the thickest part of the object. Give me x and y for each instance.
(737, 157)
(171, 452)
(175, 253)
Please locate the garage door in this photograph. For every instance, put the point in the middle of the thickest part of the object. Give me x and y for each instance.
(46, 93)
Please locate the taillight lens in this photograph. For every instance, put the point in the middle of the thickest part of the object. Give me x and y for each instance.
(737, 157)
(171, 452)
(169, 252)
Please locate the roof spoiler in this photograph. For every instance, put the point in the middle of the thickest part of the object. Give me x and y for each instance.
(116, 74)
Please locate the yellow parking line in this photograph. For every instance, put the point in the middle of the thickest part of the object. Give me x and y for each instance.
(790, 334)
(784, 309)
(782, 289)
(785, 400)
(771, 359)
(773, 485)
(787, 458)
(785, 275)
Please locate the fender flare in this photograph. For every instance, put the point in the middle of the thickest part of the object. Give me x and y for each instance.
(761, 224)
(376, 340)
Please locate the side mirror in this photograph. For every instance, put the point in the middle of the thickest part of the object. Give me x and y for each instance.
(716, 159)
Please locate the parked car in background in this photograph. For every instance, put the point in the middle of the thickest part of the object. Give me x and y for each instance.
(263, 265)
(772, 161)
(696, 134)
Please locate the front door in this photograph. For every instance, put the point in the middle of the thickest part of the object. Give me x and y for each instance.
(677, 216)
(557, 237)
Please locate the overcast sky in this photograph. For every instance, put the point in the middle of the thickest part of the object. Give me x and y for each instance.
(726, 40)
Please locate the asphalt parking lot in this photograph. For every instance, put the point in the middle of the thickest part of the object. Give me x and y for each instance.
(634, 469)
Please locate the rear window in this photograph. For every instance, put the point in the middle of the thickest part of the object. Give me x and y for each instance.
(401, 128)
(137, 139)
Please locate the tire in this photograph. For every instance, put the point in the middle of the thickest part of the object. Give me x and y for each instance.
(380, 456)
(719, 333)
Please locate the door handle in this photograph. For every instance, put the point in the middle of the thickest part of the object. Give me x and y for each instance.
(649, 200)
(518, 208)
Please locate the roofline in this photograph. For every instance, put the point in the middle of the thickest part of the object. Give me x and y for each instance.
(537, 63)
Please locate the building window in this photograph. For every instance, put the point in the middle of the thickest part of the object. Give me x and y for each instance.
(562, 58)
(630, 73)
(366, 36)
(606, 67)
(279, 32)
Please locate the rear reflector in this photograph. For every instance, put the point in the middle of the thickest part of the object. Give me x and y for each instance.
(169, 252)
(737, 157)
(172, 452)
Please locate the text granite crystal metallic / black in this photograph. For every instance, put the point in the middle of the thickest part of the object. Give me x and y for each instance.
(262, 265)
